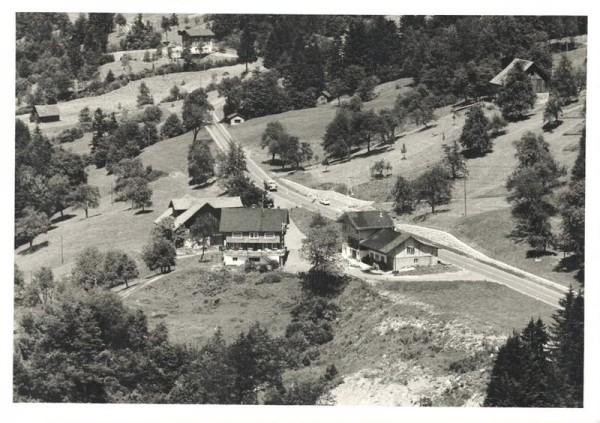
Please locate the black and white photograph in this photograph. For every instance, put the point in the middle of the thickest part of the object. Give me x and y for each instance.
(298, 209)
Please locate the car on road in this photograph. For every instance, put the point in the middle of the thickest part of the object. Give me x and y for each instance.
(325, 201)
(270, 186)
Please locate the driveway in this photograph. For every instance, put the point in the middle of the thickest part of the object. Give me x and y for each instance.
(293, 240)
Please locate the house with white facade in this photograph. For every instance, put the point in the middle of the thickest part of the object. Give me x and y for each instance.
(253, 234)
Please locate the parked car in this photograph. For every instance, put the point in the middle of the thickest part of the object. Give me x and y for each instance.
(325, 201)
(270, 186)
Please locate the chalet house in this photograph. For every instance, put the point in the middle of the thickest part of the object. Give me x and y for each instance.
(188, 209)
(198, 39)
(370, 237)
(539, 78)
(324, 98)
(43, 114)
(358, 226)
(253, 234)
(389, 249)
(234, 119)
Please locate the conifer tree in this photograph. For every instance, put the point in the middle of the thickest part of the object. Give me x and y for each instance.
(564, 84)
(474, 135)
(516, 97)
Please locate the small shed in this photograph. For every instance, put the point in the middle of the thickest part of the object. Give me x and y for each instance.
(46, 113)
(234, 119)
(324, 98)
(539, 78)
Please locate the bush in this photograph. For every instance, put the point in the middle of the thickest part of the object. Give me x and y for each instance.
(270, 278)
(323, 282)
(315, 333)
(69, 135)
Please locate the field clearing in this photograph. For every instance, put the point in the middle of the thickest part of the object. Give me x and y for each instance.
(308, 124)
(116, 225)
(126, 97)
(192, 314)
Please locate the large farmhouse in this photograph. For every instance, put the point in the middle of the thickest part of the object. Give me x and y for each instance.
(188, 209)
(539, 78)
(198, 39)
(253, 234)
(370, 237)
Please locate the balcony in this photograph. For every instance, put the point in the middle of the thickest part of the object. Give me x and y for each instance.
(249, 252)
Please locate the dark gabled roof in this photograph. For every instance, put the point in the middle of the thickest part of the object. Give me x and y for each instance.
(198, 31)
(386, 240)
(232, 115)
(47, 111)
(525, 64)
(244, 219)
(369, 219)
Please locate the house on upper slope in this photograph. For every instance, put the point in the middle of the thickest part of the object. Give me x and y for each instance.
(253, 234)
(188, 209)
(198, 39)
(46, 113)
(359, 225)
(324, 98)
(539, 78)
(234, 119)
(388, 249)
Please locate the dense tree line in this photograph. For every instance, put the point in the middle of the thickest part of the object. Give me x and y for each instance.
(541, 366)
(52, 51)
(315, 52)
(48, 179)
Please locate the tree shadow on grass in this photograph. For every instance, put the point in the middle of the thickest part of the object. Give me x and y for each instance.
(538, 254)
(143, 211)
(551, 126)
(204, 185)
(567, 264)
(423, 217)
(374, 151)
(33, 249)
(62, 218)
(473, 153)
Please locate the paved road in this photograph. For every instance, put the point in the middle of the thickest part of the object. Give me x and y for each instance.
(524, 286)
(288, 198)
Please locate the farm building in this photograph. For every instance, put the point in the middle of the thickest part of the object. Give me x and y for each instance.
(324, 98)
(253, 234)
(389, 249)
(188, 209)
(43, 114)
(234, 119)
(198, 39)
(539, 78)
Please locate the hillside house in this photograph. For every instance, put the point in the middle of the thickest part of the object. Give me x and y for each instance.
(324, 98)
(198, 39)
(388, 249)
(253, 234)
(234, 119)
(188, 209)
(44, 114)
(539, 78)
(359, 225)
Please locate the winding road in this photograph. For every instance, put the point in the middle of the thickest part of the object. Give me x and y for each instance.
(548, 292)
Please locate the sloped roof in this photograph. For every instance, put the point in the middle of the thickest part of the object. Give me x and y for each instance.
(192, 205)
(245, 219)
(198, 31)
(47, 111)
(386, 240)
(167, 213)
(232, 115)
(369, 219)
(525, 64)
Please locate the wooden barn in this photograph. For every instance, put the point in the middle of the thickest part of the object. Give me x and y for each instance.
(324, 98)
(539, 78)
(47, 113)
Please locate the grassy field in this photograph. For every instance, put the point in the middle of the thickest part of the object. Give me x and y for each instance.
(302, 218)
(193, 302)
(125, 98)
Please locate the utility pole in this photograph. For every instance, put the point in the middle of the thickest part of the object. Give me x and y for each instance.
(465, 191)
(62, 257)
(111, 194)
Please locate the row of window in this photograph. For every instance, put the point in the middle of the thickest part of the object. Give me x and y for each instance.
(252, 235)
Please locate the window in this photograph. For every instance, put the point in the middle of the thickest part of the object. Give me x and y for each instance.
(410, 250)
(269, 235)
(236, 235)
(234, 259)
(416, 261)
(254, 235)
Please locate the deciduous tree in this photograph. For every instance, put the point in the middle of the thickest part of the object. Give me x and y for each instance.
(202, 229)
(434, 186)
(32, 224)
(516, 97)
(196, 111)
(405, 195)
(454, 160)
(201, 165)
(159, 254)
